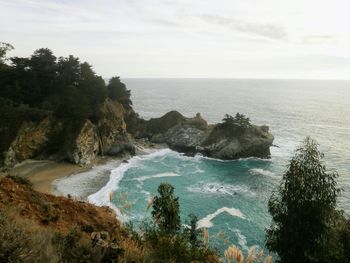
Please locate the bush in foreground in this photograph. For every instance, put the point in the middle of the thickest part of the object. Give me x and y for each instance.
(306, 227)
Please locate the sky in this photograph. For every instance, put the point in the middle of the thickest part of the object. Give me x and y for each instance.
(301, 39)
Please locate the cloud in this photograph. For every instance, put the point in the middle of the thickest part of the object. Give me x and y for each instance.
(265, 30)
(181, 38)
(165, 22)
(319, 39)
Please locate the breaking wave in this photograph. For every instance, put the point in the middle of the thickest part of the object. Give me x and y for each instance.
(207, 221)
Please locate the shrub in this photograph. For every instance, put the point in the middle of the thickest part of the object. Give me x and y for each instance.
(239, 121)
(234, 254)
(18, 244)
(72, 248)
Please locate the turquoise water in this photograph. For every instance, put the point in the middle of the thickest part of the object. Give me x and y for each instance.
(231, 197)
(228, 197)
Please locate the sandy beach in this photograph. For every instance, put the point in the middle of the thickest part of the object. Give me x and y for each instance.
(43, 173)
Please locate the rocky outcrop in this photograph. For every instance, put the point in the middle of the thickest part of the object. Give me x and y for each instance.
(107, 137)
(184, 135)
(86, 145)
(111, 128)
(31, 140)
(111, 124)
(194, 135)
(78, 142)
(227, 143)
(81, 141)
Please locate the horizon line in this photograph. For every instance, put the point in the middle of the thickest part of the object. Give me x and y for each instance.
(236, 78)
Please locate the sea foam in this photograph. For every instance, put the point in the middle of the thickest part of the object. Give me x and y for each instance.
(207, 221)
(259, 171)
(83, 184)
(219, 188)
(102, 197)
(160, 175)
(242, 240)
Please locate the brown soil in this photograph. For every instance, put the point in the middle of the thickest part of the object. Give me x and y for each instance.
(50, 211)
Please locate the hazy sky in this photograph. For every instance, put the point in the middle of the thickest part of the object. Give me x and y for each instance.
(188, 38)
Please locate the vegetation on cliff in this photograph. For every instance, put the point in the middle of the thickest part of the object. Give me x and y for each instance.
(37, 227)
(74, 115)
(65, 86)
(65, 91)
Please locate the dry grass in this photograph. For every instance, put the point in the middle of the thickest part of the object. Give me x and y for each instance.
(59, 213)
(150, 203)
(235, 255)
(132, 251)
(205, 238)
(24, 241)
(123, 202)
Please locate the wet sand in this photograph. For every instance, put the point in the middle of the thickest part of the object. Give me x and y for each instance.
(43, 173)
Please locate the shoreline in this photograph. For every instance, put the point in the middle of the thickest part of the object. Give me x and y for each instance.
(45, 174)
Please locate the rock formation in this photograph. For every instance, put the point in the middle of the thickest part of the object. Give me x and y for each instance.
(30, 141)
(194, 135)
(78, 143)
(86, 145)
(115, 131)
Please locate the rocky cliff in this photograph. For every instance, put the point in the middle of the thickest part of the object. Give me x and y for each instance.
(194, 135)
(78, 142)
(115, 130)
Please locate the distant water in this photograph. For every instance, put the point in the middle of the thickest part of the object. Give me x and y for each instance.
(230, 197)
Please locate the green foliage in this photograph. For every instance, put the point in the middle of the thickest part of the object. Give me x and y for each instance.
(337, 244)
(171, 248)
(66, 86)
(117, 91)
(68, 71)
(167, 240)
(68, 106)
(166, 210)
(303, 207)
(42, 85)
(240, 120)
(192, 231)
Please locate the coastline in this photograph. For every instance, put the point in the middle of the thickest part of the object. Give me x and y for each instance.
(46, 175)
(42, 173)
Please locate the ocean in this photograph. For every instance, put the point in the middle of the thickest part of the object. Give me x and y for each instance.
(230, 197)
